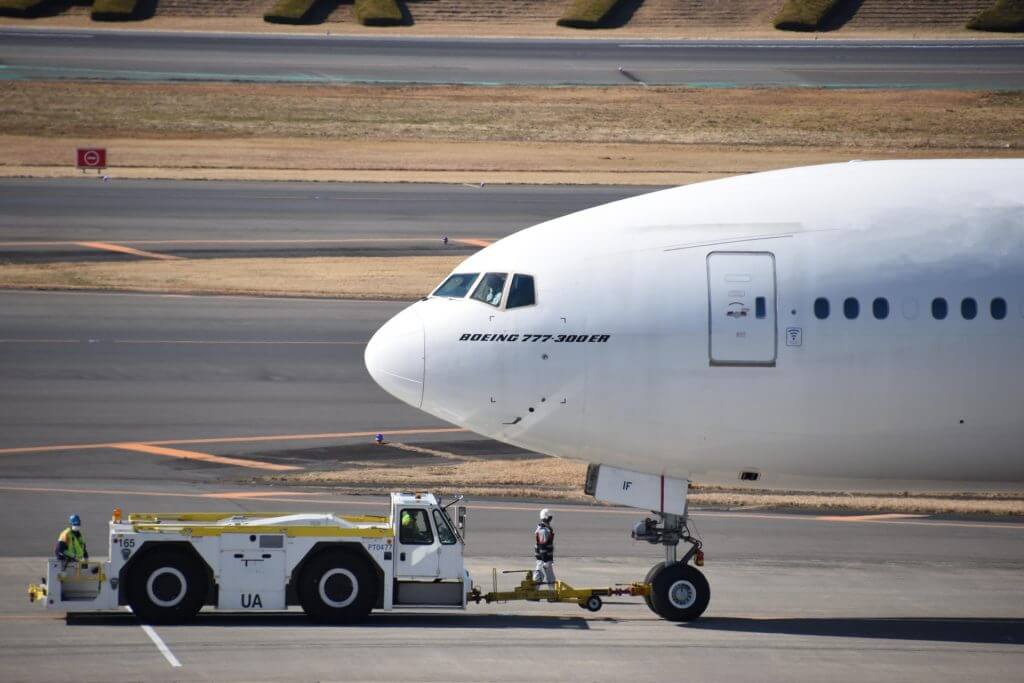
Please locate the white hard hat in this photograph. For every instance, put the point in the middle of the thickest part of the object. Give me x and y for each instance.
(545, 514)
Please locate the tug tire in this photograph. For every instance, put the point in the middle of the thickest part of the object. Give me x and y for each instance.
(337, 588)
(166, 586)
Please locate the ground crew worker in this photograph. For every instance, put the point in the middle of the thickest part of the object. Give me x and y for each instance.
(545, 550)
(71, 543)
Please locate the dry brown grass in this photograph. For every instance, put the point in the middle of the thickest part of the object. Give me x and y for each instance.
(472, 134)
(395, 278)
(554, 478)
(800, 118)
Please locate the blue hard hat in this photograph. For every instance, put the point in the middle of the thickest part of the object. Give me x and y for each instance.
(75, 520)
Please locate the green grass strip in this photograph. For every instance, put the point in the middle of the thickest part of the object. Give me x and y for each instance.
(123, 10)
(378, 13)
(587, 13)
(1006, 16)
(804, 15)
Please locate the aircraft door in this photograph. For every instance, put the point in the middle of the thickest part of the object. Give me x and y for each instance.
(418, 554)
(741, 308)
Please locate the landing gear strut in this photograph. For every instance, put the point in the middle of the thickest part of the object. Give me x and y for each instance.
(678, 591)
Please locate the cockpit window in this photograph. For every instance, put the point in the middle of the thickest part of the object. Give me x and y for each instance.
(490, 288)
(520, 293)
(456, 285)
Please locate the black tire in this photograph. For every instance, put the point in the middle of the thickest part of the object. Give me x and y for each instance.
(167, 586)
(648, 580)
(337, 588)
(593, 603)
(680, 592)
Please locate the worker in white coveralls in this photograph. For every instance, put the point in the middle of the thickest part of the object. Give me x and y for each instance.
(545, 550)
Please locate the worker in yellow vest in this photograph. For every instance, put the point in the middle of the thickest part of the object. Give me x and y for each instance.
(71, 543)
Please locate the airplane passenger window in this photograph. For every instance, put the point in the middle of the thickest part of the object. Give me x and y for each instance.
(939, 308)
(880, 307)
(520, 292)
(851, 308)
(760, 307)
(821, 308)
(969, 308)
(456, 285)
(998, 308)
(490, 288)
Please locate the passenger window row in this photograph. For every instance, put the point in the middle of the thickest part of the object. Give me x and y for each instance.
(940, 308)
(491, 289)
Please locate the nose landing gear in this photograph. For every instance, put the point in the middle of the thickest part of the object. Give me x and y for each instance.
(678, 591)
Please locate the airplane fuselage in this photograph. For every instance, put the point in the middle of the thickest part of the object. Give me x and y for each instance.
(860, 321)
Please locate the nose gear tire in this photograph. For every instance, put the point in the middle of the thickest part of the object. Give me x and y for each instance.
(679, 592)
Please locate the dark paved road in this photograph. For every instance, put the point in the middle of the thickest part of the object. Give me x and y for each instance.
(44, 219)
(144, 55)
(795, 597)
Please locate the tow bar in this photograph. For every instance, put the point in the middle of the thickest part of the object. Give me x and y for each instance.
(528, 589)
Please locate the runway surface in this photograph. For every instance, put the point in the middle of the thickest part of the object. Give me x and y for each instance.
(794, 598)
(155, 403)
(51, 219)
(165, 56)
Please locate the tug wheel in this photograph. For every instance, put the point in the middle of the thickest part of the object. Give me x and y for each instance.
(680, 592)
(337, 588)
(166, 586)
(593, 603)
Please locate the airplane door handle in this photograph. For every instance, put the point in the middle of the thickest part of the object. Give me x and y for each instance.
(401, 557)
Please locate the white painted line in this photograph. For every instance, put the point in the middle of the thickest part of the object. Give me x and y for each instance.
(159, 642)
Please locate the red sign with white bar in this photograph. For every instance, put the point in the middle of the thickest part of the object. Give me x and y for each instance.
(92, 157)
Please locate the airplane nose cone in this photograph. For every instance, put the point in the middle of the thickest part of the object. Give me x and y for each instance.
(395, 357)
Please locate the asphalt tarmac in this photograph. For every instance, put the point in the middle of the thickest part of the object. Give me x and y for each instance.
(49, 220)
(165, 56)
(153, 403)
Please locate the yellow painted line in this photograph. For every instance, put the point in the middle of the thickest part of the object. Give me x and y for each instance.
(474, 242)
(242, 495)
(342, 240)
(868, 518)
(239, 342)
(121, 249)
(226, 439)
(205, 457)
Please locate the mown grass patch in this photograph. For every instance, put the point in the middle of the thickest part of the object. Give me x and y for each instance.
(123, 10)
(1005, 16)
(379, 13)
(28, 9)
(804, 15)
(587, 13)
(300, 11)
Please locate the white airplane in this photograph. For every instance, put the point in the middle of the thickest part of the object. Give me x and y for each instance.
(855, 322)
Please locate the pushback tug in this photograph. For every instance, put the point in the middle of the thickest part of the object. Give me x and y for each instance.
(168, 566)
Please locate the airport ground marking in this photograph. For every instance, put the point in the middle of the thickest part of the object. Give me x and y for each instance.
(204, 457)
(121, 249)
(159, 642)
(880, 517)
(225, 439)
(474, 242)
